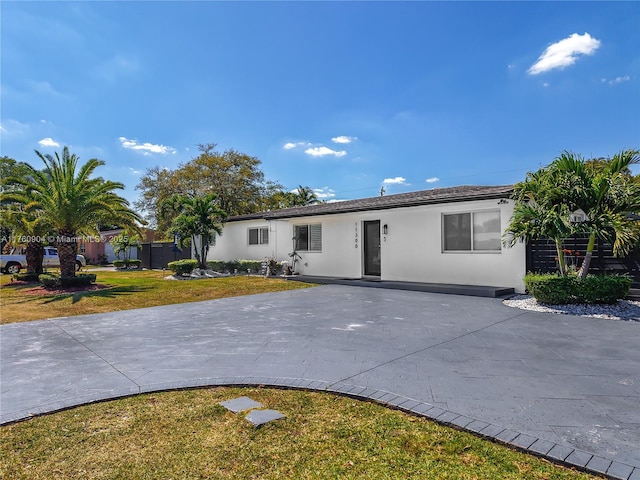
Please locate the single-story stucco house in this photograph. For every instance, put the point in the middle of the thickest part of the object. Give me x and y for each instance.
(442, 236)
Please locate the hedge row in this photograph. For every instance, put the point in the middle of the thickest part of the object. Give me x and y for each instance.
(556, 289)
(133, 264)
(254, 266)
(53, 281)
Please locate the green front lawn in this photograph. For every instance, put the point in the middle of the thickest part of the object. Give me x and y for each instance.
(127, 289)
(187, 435)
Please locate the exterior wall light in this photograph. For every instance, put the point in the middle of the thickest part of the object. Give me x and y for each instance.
(385, 229)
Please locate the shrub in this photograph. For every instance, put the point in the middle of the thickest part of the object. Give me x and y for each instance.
(241, 265)
(26, 277)
(183, 267)
(53, 281)
(604, 288)
(556, 289)
(550, 288)
(134, 264)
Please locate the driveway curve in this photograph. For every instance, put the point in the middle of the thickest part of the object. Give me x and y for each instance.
(560, 386)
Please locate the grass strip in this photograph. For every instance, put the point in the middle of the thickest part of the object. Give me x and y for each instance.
(187, 435)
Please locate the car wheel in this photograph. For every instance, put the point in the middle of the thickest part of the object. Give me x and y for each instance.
(13, 267)
(78, 266)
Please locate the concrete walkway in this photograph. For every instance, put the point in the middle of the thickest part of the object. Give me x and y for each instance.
(563, 387)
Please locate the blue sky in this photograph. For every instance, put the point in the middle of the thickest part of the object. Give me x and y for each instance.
(344, 97)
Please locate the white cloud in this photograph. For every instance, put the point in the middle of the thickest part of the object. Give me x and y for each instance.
(324, 193)
(343, 139)
(324, 151)
(145, 148)
(564, 53)
(617, 80)
(432, 180)
(290, 145)
(395, 181)
(48, 142)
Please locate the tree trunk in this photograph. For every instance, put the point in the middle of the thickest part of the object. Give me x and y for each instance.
(34, 255)
(561, 263)
(584, 269)
(67, 251)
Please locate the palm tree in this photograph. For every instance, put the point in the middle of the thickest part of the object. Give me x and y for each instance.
(540, 213)
(305, 196)
(608, 195)
(72, 202)
(33, 228)
(198, 221)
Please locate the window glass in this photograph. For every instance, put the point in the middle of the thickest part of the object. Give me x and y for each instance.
(264, 236)
(457, 232)
(301, 237)
(308, 238)
(486, 231)
(253, 236)
(472, 232)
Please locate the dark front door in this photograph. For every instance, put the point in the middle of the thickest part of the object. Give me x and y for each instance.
(372, 248)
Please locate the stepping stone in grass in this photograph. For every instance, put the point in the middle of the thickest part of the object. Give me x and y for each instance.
(241, 403)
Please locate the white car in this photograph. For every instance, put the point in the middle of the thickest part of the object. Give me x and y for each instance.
(14, 263)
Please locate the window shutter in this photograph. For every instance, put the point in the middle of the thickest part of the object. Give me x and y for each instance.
(315, 237)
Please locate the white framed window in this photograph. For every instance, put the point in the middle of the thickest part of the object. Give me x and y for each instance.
(307, 238)
(83, 248)
(259, 236)
(471, 232)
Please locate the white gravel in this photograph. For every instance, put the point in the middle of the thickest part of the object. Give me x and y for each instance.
(623, 310)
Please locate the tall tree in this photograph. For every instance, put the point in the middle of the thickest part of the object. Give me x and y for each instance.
(73, 202)
(197, 222)
(155, 186)
(235, 179)
(609, 196)
(30, 228)
(10, 171)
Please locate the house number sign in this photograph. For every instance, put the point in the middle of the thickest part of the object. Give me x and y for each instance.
(356, 237)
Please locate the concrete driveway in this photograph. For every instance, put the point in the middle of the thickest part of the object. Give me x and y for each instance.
(560, 386)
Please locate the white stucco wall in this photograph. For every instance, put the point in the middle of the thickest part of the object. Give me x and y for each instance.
(233, 244)
(411, 251)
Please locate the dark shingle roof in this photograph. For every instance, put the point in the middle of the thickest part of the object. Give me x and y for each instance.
(411, 199)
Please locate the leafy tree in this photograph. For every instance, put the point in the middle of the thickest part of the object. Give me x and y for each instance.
(540, 213)
(300, 197)
(10, 170)
(609, 196)
(71, 202)
(156, 186)
(197, 222)
(236, 180)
